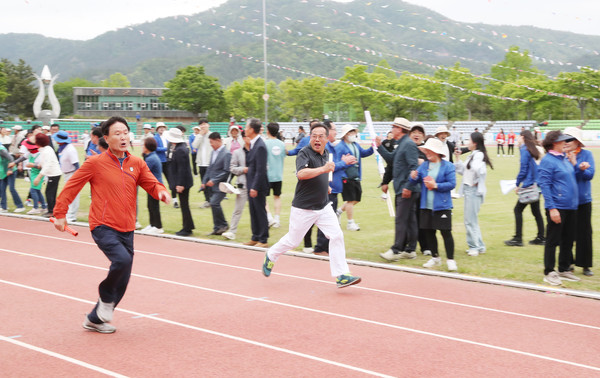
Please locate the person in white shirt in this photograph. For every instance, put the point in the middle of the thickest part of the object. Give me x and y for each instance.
(49, 168)
(473, 188)
(69, 163)
(204, 150)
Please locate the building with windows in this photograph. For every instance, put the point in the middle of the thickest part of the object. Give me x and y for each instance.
(101, 102)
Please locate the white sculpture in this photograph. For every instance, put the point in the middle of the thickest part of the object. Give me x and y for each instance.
(44, 80)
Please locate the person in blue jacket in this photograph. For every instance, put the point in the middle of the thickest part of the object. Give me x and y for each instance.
(352, 189)
(561, 198)
(583, 162)
(527, 177)
(437, 178)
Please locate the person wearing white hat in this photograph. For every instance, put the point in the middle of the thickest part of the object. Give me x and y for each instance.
(238, 168)
(234, 139)
(180, 177)
(437, 178)
(404, 160)
(442, 134)
(352, 189)
(202, 145)
(162, 145)
(147, 131)
(583, 161)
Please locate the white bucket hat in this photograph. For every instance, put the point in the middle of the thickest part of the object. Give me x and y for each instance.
(575, 132)
(160, 124)
(402, 123)
(442, 130)
(346, 129)
(175, 135)
(434, 145)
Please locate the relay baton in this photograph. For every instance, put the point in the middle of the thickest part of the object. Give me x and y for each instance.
(67, 228)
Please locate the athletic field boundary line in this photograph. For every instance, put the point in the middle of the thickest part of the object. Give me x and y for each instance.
(388, 266)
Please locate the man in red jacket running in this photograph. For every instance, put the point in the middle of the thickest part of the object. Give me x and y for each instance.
(114, 177)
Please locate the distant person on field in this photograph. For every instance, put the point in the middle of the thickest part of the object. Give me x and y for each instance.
(155, 166)
(216, 173)
(510, 139)
(202, 145)
(275, 159)
(69, 164)
(239, 169)
(180, 177)
(501, 140)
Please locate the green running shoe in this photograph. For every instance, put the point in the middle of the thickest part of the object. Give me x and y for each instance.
(267, 266)
(346, 280)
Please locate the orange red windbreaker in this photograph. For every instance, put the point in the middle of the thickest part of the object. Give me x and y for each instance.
(114, 190)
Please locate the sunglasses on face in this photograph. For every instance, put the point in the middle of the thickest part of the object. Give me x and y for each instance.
(569, 140)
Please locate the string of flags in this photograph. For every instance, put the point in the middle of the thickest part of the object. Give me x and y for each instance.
(257, 60)
(435, 67)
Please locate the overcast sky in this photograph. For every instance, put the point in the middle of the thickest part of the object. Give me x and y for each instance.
(84, 19)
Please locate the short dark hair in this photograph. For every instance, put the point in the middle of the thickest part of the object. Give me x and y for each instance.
(111, 121)
(273, 128)
(202, 120)
(42, 140)
(214, 135)
(182, 128)
(301, 128)
(255, 124)
(97, 132)
(55, 125)
(150, 144)
(102, 143)
(319, 124)
(35, 127)
(327, 123)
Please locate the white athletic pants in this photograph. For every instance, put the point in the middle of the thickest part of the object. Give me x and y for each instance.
(74, 206)
(300, 221)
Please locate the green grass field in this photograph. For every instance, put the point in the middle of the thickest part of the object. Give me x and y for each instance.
(377, 227)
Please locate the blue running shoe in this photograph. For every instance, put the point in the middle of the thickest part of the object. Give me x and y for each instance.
(267, 266)
(346, 280)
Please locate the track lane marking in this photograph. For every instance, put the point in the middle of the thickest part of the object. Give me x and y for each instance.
(323, 312)
(61, 357)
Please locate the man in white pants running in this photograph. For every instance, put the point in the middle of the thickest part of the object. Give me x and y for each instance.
(311, 206)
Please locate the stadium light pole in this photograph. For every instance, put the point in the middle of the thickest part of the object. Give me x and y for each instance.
(265, 95)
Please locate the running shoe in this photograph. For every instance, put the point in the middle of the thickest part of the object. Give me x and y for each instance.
(267, 266)
(102, 327)
(346, 280)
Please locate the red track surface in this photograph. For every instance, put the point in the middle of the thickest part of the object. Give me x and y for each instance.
(201, 310)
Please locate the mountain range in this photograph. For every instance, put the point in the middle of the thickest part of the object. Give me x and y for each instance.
(305, 37)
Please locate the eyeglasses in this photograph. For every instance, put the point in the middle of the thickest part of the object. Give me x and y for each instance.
(318, 136)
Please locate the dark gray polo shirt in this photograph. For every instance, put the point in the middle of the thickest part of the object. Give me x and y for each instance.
(311, 194)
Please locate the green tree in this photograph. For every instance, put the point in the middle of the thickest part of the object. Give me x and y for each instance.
(535, 98)
(116, 80)
(3, 83)
(245, 99)
(303, 99)
(461, 102)
(20, 89)
(581, 85)
(423, 89)
(64, 93)
(357, 90)
(192, 90)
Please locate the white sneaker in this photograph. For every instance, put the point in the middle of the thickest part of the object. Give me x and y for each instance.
(19, 210)
(338, 213)
(408, 255)
(147, 228)
(102, 328)
(568, 276)
(205, 205)
(138, 225)
(3, 210)
(451, 265)
(352, 226)
(389, 255)
(229, 235)
(29, 203)
(34, 211)
(276, 225)
(155, 230)
(308, 250)
(104, 311)
(473, 252)
(426, 252)
(553, 279)
(434, 261)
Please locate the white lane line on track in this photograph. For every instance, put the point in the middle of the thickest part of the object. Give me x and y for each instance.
(205, 330)
(358, 287)
(61, 357)
(322, 312)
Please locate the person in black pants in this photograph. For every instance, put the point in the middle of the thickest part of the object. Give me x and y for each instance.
(180, 177)
(258, 185)
(155, 166)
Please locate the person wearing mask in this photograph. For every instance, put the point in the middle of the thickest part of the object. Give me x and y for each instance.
(352, 189)
(217, 172)
(234, 139)
(473, 188)
(527, 179)
(583, 162)
(49, 167)
(561, 200)
(437, 178)
(203, 152)
(181, 179)
(155, 166)
(69, 163)
(239, 169)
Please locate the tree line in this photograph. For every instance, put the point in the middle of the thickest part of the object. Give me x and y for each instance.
(513, 89)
